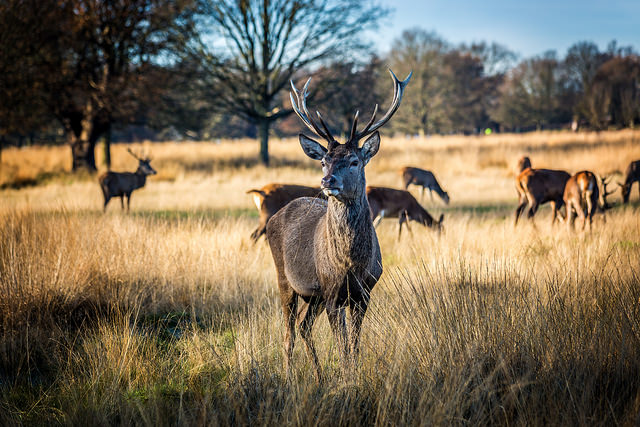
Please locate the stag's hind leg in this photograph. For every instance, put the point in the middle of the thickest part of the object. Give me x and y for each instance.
(306, 317)
(522, 203)
(289, 301)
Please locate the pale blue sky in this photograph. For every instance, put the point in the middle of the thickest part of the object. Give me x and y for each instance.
(526, 27)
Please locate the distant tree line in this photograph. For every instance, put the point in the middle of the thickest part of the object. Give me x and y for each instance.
(84, 71)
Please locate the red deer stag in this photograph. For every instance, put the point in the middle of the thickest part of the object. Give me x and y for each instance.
(539, 186)
(273, 197)
(425, 179)
(120, 184)
(391, 203)
(631, 175)
(326, 251)
(582, 196)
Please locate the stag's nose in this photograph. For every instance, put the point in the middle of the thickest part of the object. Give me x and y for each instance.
(330, 185)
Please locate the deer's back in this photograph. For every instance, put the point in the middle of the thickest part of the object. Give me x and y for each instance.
(276, 196)
(390, 200)
(544, 184)
(118, 183)
(418, 176)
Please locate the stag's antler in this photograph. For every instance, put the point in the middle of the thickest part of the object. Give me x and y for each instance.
(371, 127)
(133, 154)
(299, 104)
(304, 115)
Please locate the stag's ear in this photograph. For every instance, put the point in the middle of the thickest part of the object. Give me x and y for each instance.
(370, 147)
(312, 148)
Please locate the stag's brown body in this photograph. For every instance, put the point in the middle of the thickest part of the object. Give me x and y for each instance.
(326, 253)
(273, 197)
(632, 175)
(581, 195)
(391, 203)
(424, 178)
(122, 184)
(539, 186)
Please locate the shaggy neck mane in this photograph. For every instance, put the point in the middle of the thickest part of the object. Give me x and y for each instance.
(348, 230)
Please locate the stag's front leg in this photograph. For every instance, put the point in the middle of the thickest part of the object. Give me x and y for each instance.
(336, 315)
(358, 310)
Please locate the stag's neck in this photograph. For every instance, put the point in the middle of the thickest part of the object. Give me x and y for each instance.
(348, 232)
(141, 179)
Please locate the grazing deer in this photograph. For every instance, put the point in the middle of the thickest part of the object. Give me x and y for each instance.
(425, 179)
(327, 251)
(539, 186)
(273, 197)
(120, 184)
(582, 195)
(391, 203)
(631, 175)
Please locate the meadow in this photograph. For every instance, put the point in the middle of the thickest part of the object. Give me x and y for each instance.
(170, 315)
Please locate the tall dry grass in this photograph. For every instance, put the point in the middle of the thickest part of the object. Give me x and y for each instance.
(170, 316)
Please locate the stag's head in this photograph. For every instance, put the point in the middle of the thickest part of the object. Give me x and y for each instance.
(343, 164)
(626, 190)
(144, 166)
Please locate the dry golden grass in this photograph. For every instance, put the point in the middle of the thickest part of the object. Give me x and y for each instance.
(170, 316)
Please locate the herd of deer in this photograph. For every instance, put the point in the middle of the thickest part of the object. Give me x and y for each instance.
(582, 194)
(322, 239)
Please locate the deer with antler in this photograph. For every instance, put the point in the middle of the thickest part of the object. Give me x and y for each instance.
(326, 252)
(121, 184)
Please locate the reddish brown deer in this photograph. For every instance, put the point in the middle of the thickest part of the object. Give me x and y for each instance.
(121, 184)
(539, 186)
(391, 203)
(327, 252)
(631, 175)
(581, 195)
(425, 179)
(273, 197)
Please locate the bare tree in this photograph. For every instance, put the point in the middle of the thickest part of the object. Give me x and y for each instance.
(94, 55)
(259, 45)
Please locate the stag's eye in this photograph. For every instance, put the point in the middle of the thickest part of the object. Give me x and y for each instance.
(354, 163)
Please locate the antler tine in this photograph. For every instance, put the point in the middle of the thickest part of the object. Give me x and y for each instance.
(373, 117)
(133, 154)
(304, 114)
(354, 126)
(330, 137)
(398, 90)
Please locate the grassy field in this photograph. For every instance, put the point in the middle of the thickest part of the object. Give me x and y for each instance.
(169, 315)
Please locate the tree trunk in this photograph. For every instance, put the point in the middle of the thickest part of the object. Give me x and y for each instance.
(263, 133)
(107, 148)
(83, 153)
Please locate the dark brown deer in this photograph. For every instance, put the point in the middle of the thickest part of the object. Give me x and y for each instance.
(631, 175)
(273, 197)
(539, 186)
(391, 203)
(581, 196)
(326, 251)
(121, 184)
(425, 179)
